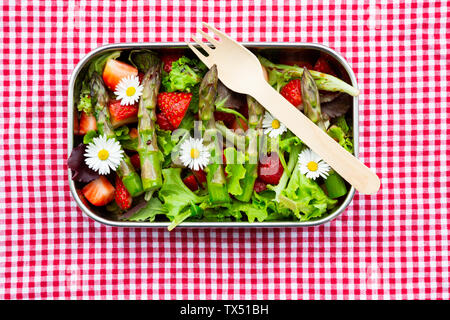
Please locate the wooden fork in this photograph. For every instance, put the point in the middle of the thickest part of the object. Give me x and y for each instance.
(240, 70)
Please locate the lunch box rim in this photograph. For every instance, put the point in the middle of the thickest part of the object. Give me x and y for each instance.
(162, 45)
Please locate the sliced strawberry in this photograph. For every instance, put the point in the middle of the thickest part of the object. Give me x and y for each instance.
(163, 122)
(270, 169)
(99, 192)
(87, 123)
(133, 133)
(76, 123)
(115, 70)
(174, 106)
(135, 161)
(121, 115)
(122, 196)
(239, 124)
(227, 118)
(259, 186)
(200, 176)
(292, 92)
(191, 183)
(82, 198)
(323, 66)
(168, 59)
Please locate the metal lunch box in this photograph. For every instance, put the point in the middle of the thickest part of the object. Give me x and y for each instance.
(267, 49)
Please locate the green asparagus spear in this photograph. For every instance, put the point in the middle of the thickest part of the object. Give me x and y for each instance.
(311, 101)
(100, 98)
(149, 153)
(217, 185)
(255, 117)
(323, 81)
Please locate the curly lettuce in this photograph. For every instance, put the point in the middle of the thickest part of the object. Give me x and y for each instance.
(177, 197)
(185, 75)
(235, 170)
(304, 197)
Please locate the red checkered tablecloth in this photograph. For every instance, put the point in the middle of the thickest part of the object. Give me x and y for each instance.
(394, 245)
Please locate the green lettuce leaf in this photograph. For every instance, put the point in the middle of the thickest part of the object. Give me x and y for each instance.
(305, 197)
(193, 105)
(185, 75)
(85, 104)
(176, 196)
(266, 201)
(235, 169)
(122, 133)
(149, 212)
(142, 59)
(89, 136)
(165, 142)
(342, 134)
(237, 208)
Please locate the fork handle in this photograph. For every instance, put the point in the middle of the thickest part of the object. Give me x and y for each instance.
(342, 161)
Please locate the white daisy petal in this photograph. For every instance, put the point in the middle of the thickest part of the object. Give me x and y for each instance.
(272, 126)
(312, 166)
(193, 154)
(103, 155)
(129, 90)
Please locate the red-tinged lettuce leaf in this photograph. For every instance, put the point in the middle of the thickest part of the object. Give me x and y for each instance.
(337, 107)
(328, 96)
(229, 99)
(80, 171)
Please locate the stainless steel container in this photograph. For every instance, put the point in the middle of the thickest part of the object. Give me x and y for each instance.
(267, 49)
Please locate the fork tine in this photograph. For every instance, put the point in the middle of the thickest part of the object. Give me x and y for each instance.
(204, 59)
(202, 44)
(222, 36)
(213, 41)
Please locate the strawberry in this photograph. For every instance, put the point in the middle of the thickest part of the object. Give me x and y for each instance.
(191, 183)
(99, 192)
(121, 115)
(227, 118)
(168, 59)
(270, 169)
(122, 196)
(82, 198)
(87, 123)
(259, 186)
(292, 92)
(239, 124)
(115, 70)
(135, 161)
(174, 106)
(200, 176)
(133, 133)
(323, 66)
(163, 123)
(76, 123)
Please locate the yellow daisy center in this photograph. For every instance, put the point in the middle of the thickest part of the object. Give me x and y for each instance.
(130, 91)
(195, 153)
(312, 166)
(275, 124)
(103, 154)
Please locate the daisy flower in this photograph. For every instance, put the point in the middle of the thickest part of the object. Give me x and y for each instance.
(128, 90)
(272, 126)
(311, 165)
(103, 154)
(193, 154)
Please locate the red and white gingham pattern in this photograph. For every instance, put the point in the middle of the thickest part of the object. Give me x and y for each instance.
(391, 245)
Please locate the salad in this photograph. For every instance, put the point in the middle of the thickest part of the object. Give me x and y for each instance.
(159, 138)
